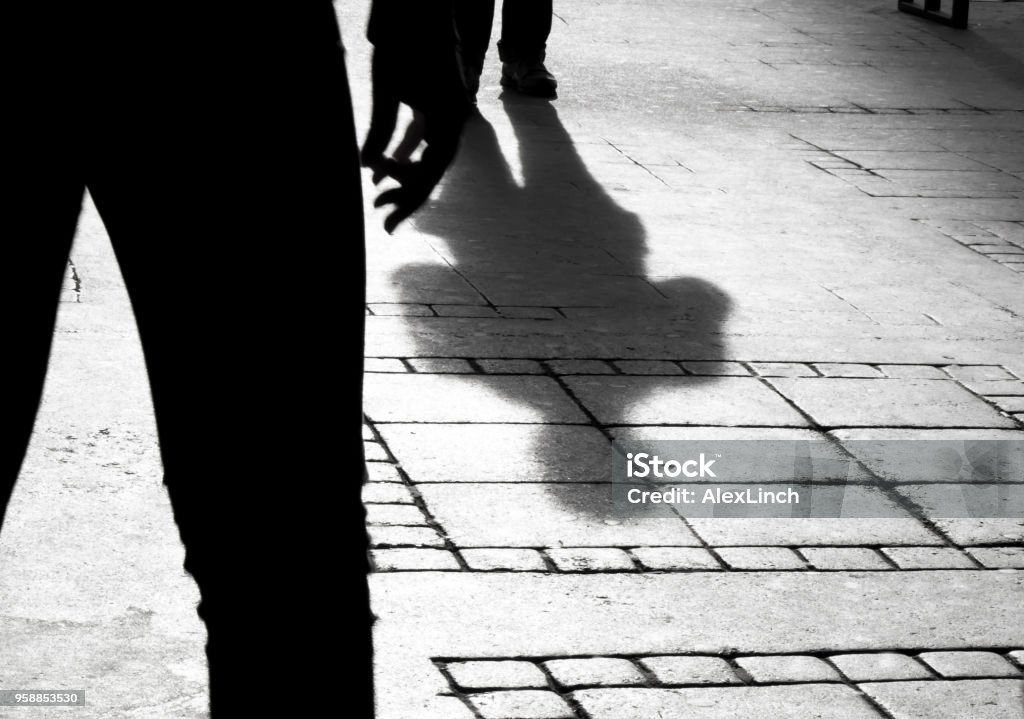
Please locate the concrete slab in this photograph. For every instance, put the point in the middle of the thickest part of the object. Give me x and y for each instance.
(683, 401)
(843, 402)
(500, 452)
(541, 515)
(978, 699)
(726, 531)
(461, 398)
(820, 701)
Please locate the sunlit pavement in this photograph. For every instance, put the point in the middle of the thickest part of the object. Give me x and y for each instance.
(784, 220)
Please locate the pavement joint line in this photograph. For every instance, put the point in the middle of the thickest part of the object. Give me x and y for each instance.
(549, 563)
(746, 364)
(741, 673)
(892, 563)
(927, 667)
(723, 565)
(553, 685)
(871, 701)
(421, 504)
(973, 246)
(442, 667)
(652, 681)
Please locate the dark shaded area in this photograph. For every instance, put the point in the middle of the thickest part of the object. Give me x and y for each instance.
(535, 244)
(220, 151)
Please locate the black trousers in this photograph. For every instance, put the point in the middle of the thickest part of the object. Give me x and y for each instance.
(525, 26)
(220, 151)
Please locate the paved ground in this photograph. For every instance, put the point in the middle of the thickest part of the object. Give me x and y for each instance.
(778, 220)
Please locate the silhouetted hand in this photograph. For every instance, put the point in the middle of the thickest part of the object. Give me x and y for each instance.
(432, 86)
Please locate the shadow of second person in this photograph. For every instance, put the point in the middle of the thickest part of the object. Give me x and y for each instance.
(541, 263)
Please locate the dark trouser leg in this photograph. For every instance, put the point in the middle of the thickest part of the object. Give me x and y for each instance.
(473, 20)
(525, 26)
(40, 212)
(232, 196)
(40, 199)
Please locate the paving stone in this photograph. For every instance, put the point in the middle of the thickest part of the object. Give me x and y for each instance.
(999, 557)
(531, 515)
(441, 365)
(382, 536)
(977, 699)
(783, 369)
(386, 493)
(400, 310)
(720, 434)
(1018, 656)
(374, 452)
(684, 401)
(833, 369)
(676, 558)
(785, 668)
(655, 367)
(928, 558)
(998, 387)
(842, 402)
(594, 672)
(845, 558)
(367, 432)
(906, 319)
(383, 364)
(465, 311)
(503, 615)
(1008, 404)
(691, 670)
(976, 373)
(967, 532)
(531, 313)
(467, 398)
(821, 701)
(580, 367)
(718, 369)
(510, 366)
(881, 666)
(591, 559)
(522, 704)
(382, 472)
(394, 514)
(501, 674)
(761, 558)
(726, 531)
(957, 665)
(500, 452)
(452, 708)
(494, 558)
(409, 559)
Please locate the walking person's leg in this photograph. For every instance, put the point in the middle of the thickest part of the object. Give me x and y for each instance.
(473, 21)
(40, 217)
(231, 191)
(41, 197)
(525, 27)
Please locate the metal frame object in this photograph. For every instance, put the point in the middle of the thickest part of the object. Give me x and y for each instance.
(931, 9)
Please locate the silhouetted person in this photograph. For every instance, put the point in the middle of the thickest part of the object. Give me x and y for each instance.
(525, 27)
(218, 145)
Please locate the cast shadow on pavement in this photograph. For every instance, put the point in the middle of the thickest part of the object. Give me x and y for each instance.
(558, 241)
